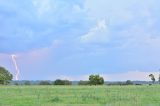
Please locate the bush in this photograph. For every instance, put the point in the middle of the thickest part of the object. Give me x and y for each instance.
(44, 83)
(83, 82)
(129, 82)
(138, 84)
(117, 83)
(62, 82)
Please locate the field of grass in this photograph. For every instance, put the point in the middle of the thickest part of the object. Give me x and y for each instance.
(80, 95)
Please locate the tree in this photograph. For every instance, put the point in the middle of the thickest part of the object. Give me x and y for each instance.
(67, 82)
(62, 82)
(5, 76)
(58, 82)
(44, 83)
(159, 79)
(96, 80)
(129, 82)
(152, 78)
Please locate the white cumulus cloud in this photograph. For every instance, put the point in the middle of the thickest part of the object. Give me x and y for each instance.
(97, 34)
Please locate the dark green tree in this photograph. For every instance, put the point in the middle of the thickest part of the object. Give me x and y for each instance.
(67, 82)
(152, 78)
(159, 79)
(58, 82)
(44, 83)
(96, 80)
(62, 82)
(129, 82)
(5, 76)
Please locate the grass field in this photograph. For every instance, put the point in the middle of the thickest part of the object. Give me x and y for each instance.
(80, 95)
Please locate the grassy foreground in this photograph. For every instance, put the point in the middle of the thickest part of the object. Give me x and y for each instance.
(80, 95)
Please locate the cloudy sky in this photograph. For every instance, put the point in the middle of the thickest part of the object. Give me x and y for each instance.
(71, 39)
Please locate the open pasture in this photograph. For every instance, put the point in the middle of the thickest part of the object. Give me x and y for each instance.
(80, 95)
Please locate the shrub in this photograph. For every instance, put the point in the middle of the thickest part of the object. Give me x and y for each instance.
(83, 82)
(129, 82)
(62, 82)
(44, 83)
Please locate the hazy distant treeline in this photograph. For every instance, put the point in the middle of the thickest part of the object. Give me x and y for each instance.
(67, 82)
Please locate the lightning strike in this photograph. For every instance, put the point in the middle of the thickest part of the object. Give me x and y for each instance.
(16, 67)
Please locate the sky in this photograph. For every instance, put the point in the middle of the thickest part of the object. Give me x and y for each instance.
(71, 39)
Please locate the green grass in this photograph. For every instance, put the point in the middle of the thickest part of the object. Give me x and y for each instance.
(80, 95)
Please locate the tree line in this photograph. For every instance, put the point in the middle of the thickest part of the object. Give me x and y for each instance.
(6, 77)
(93, 80)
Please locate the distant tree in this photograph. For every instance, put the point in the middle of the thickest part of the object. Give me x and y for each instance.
(44, 83)
(58, 82)
(152, 78)
(27, 83)
(159, 79)
(120, 83)
(16, 83)
(83, 82)
(129, 82)
(5, 76)
(117, 83)
(96, 80)
(67, 82)
(62, 82)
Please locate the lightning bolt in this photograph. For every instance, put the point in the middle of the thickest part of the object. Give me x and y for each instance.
(16, 66)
